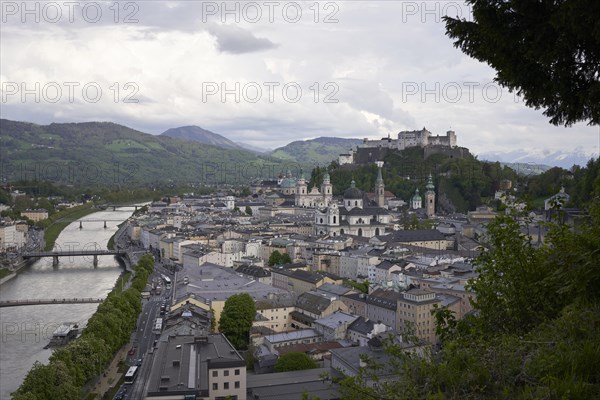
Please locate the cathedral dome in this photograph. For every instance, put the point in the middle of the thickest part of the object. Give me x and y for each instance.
(288, 183)
(352, 192)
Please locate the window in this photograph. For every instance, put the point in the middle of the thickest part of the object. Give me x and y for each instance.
(215, 374)
(215, 386)
(237, 371)
(226, 372)
(226, 385)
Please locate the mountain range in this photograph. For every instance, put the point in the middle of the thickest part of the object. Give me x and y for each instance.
(201, 135)
(561, 158)
(319, 151)
(108, 153)
(104, 153)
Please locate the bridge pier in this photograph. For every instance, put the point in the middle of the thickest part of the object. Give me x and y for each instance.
(80, 224)
(55, 261)
(135, 208)
(95, 261)
(104, 224)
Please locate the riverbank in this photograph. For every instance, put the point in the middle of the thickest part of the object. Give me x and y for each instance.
(57, 224)
(74, 277)
(6, 275)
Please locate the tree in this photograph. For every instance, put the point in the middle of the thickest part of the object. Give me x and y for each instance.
(48, 382)
(294, 361)
(248, 210)
(236, 319)
(546, 51)
(285, 259)
(275, 258)
(535, 332)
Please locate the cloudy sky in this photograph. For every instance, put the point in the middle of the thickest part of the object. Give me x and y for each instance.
(264, 73)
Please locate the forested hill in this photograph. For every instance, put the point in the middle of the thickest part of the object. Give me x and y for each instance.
(200, 135)
(462, 184)
(104, 153)
(319, 151)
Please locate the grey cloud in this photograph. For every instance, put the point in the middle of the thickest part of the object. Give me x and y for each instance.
(235, 40)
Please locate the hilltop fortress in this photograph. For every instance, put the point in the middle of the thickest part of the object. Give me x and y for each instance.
(373, 150)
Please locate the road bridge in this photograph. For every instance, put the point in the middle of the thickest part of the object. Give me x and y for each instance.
(35, 302)
(81, 221)
(74, 253)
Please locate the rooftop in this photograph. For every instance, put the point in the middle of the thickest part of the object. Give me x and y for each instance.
(336, 319)
(181, 363)
(213, 282)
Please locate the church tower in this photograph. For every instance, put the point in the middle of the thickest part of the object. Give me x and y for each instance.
(416, 200)
(430, 197)
(326, 189)
(379, 189)
(301, 190)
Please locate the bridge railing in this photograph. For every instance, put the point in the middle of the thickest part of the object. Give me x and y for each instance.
(50, 301)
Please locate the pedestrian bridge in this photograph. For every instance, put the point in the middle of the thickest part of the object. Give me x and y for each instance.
(74, 253)
(34, 302)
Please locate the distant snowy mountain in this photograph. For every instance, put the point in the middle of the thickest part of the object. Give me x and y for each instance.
(563, 159)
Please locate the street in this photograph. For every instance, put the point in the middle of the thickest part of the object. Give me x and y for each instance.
(144, 337)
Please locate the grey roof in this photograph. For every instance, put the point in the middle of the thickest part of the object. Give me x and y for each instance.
(254, 271)
(413, 235)
(313, 302)
(351, 357)
(182, 363)
(364, 211)
(291, 335)
(386, 265)
(336, 319)
(291, 385)
(302, 275)
(362, 326)
(446, 299)
(213, 282)
(384, 298)
(332, 288)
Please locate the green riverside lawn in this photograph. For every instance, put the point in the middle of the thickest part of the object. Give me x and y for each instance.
(52, 231)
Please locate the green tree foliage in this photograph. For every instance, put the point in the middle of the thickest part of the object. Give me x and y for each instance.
(547, 51)
(52, 381)
(535, 334)
(126, 158)
(236, 319)
(513, 276)
(360, 286)
(71, 366)
(466, 182)
(248, 210)
(276, 258)
(294, 361)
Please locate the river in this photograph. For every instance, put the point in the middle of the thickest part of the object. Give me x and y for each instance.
(27, 329)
